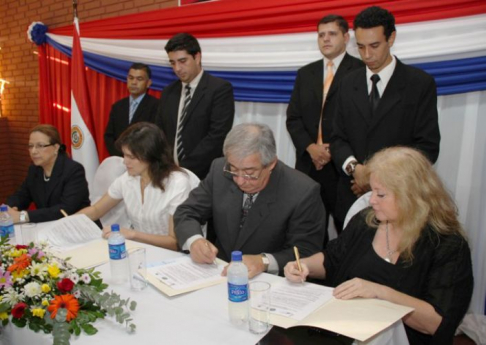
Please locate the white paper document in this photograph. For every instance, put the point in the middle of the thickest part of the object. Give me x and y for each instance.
(182, 273)
(296, 301)
(70, 231)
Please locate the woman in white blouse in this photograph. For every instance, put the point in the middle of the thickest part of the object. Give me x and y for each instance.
(152, 187)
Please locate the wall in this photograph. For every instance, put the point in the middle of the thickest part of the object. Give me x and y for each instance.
(18, 65)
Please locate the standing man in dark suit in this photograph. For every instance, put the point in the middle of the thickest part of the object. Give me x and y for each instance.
(259, 206)
(310, 112)
(138, 107)
(385, 104)
(196, 111)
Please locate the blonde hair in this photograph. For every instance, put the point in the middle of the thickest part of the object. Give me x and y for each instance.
(420, 195)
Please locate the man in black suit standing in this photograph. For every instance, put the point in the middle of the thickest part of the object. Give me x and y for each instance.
(139, 106)
(385, 104)
(311, 109)
(196, 111)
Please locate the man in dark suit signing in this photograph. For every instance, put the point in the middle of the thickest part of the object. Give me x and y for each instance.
(196, 111)
(259, 206)
(312, 106)
(138, 107)
(385, 104)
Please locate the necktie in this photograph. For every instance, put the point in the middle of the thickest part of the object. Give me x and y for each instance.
(374, 95)
(187, 100)
(325, 91)
(133, 108)
(246, 208)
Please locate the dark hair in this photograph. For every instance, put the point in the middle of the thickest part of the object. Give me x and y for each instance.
(139, 65)
(147, 143)
(334, 18)
(183, 41)
(374, 16)
(52, 133)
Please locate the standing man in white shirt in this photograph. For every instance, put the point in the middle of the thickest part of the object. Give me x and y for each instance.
(311, 108)
(385, 104)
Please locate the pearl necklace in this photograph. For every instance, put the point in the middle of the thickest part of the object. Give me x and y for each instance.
(389, 252)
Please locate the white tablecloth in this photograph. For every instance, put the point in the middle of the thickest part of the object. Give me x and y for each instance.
(199, 317)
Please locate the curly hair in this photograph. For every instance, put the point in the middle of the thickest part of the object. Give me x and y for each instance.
(420, 195)
(374, 16)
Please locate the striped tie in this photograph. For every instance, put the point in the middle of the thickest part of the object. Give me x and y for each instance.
(187, 100)
(133, 108)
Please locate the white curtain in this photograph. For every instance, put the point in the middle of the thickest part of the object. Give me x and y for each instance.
(461, 164)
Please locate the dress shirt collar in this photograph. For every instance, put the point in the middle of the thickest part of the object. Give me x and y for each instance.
(336, 61)
(193, 84)
(385, 76)
(138, 99)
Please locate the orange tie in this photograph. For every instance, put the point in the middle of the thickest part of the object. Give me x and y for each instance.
(325, 90)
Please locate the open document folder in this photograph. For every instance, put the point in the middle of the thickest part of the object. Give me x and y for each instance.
(180, 275)
(313, 305)
(78, 238)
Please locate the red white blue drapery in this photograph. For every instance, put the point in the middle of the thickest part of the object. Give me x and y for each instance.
(259, 45)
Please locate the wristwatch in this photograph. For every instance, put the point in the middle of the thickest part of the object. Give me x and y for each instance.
(24, 217)
(351, 167)
(266, 261)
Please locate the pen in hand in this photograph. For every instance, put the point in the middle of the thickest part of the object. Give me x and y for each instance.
(64, 213)
(214, 261)
(297, 259)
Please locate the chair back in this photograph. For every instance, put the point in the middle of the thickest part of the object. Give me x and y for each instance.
(107, 172)
(360, 204)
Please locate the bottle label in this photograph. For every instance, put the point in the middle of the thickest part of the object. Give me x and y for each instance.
(7, 230)
(117, 251)
(237, 293)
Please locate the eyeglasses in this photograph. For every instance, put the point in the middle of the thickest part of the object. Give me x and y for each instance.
(231, 174)
(38, 146)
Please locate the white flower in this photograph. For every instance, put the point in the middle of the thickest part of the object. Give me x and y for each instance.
(77, 294)
(74, 277)
(38, 269)
(12, 297)
(86, 278)
(32, 289)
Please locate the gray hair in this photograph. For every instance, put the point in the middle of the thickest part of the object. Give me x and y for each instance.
(249, 138)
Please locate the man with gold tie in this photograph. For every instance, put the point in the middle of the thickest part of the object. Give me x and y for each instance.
(312, 105)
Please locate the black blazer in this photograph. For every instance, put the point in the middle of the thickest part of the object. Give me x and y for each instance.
(287, 212)
(209, 119)
(406, 115)
(304, 110)
(67, 189)
(118, 121)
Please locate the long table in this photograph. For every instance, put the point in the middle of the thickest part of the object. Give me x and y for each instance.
(199, 317)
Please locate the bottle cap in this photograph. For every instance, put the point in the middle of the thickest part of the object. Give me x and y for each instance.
(3, 208)
(115, 227)
(236, 256)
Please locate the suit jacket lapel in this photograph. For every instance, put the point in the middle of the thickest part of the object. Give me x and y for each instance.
(197, 96)
(233, 215)
(140, 109)
(360, 96)
(345, 65)
(260, 209)
(55, 177)
(391, 96)
(317, 81)
(173, 100)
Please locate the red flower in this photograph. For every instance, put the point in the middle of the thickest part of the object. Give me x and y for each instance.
(18, 310)
(65, 285)
(20, 246)
(68, 302)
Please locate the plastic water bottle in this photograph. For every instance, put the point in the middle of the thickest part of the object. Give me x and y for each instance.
(238, 290)
(6, 223)
(118, 256)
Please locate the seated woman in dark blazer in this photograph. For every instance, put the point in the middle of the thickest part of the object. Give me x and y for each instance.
(54, 182)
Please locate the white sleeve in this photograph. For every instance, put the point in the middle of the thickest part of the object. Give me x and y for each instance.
(178, 190)
(116, 188)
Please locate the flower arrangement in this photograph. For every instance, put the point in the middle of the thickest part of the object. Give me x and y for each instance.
(47, 294)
